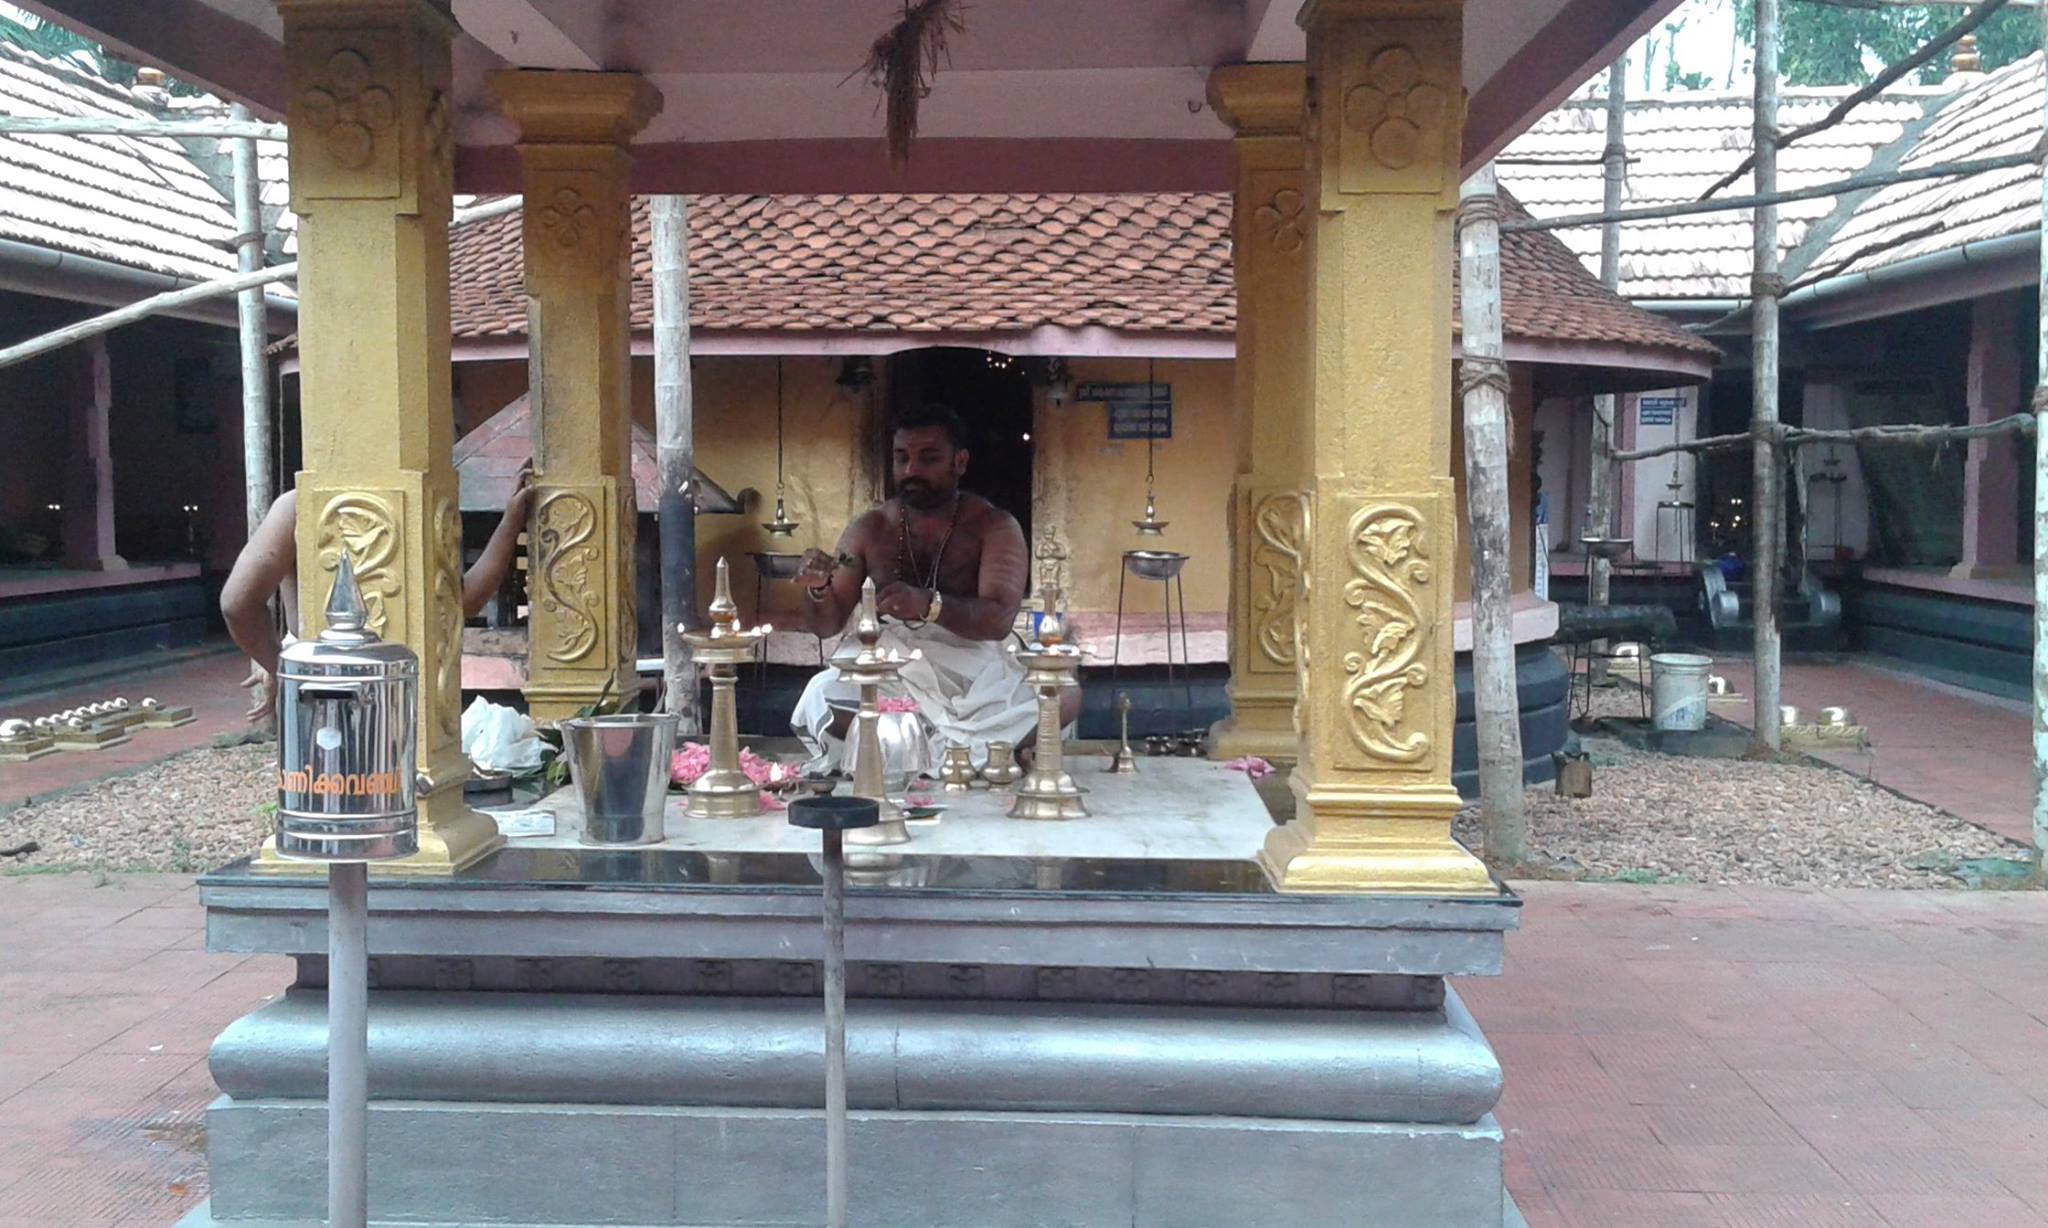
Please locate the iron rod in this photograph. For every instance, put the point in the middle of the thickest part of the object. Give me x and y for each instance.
(835, 1028)
(348, 1044)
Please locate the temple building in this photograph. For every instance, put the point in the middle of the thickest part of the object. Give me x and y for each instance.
(1913, 303)
(1173, 999)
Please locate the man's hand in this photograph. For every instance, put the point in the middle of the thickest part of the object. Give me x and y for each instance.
(817, 569)
(904, 602)
(520, 502)
(262, 688)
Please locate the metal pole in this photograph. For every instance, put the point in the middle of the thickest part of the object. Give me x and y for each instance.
(835, 1028)
(348, 1044)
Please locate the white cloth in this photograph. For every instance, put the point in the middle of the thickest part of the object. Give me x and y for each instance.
(970, 692)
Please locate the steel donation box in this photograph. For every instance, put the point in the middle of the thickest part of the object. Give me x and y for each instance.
(347, 731)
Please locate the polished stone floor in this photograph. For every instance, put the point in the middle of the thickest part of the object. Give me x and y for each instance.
(1732, 1057)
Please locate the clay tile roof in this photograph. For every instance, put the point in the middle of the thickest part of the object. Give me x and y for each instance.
(981, 264)
(134, 201)
(2000, 114)
(1678, 144)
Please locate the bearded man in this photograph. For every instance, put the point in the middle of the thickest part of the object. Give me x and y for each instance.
(950, 569)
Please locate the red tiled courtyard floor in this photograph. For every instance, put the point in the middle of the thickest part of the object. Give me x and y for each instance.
(209, 685)
(1957, 750)
(1675, 1056)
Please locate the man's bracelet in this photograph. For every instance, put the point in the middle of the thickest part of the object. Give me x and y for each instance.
(817, 595)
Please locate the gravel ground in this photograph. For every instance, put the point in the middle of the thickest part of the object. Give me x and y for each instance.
(1663, 818)
(1651, 818)
(189, 813)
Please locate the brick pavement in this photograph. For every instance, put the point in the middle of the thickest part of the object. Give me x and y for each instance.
(1958, 750)
(208, 684)
(1676, 1057)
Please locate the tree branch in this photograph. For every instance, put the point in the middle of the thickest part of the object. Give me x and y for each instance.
(1798, 436)
(1928, 50)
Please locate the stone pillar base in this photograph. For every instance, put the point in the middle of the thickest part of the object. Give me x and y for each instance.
(1390, 844)
(1251, 730)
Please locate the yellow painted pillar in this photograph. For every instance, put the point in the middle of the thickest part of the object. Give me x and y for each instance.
(371, 163)
(574, 131)
(1373, 786)
(1269, 244)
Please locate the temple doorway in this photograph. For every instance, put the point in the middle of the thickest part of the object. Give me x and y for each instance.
(992, 392)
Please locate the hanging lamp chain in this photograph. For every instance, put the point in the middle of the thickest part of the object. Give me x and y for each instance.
(778, 427)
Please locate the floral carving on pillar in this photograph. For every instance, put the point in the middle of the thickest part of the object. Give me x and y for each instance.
(348, 109)
(367, 527)
(1276, 564)
(1396, 108)
(1303, 584)
(1390, 567)
(1279, 219)
(567, 526)
(448, 615)
(567, 219)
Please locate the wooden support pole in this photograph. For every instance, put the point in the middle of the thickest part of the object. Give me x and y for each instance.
(1601, 473)
(1765, 287)
(675, 453)
(253, 332)
(198, 292)
(2041, 550)
(239, 127)
(1483, 384)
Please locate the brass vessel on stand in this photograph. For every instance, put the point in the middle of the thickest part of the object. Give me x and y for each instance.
(724, 791)
(1051, 667)
(871, 666)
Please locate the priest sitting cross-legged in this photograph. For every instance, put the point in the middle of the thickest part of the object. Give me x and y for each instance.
(950, 569)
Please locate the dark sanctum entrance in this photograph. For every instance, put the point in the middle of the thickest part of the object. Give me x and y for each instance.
(993, 394)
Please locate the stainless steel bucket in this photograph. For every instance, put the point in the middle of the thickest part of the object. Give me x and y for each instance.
(620, 767)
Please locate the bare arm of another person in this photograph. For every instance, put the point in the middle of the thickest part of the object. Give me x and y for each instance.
(831, 587)
(268, 561)
(487, 575)
(1005, 570)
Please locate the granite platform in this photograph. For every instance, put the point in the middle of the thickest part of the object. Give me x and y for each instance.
(1112, 1020)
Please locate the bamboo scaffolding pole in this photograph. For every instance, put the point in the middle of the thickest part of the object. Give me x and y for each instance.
(1722, 204)
(2040, 741)
(1878, 84)
(198, 292)
(1799, 436)
(675, 453)
(1483, 384)
(237, 128)
(1602, 474)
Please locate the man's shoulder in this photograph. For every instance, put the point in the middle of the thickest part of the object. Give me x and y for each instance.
(986, 517)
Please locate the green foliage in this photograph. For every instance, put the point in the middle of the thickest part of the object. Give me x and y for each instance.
(1823, 44)
(47, 38)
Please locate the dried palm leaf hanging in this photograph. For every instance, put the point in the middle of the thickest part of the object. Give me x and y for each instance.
(903, 61)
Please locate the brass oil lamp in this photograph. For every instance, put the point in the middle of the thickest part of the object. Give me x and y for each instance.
(724, 791)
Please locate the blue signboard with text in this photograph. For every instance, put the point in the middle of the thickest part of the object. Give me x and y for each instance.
(1136, 411)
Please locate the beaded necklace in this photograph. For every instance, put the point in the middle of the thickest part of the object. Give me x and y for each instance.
(908, 560)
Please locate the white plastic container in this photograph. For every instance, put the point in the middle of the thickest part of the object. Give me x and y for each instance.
(1678, 690)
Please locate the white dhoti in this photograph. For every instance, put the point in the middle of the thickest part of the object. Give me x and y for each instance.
(970, 693)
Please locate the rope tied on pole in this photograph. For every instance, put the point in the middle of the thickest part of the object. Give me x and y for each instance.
(1476, 209)
(1477, 371)
(1766, 285)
